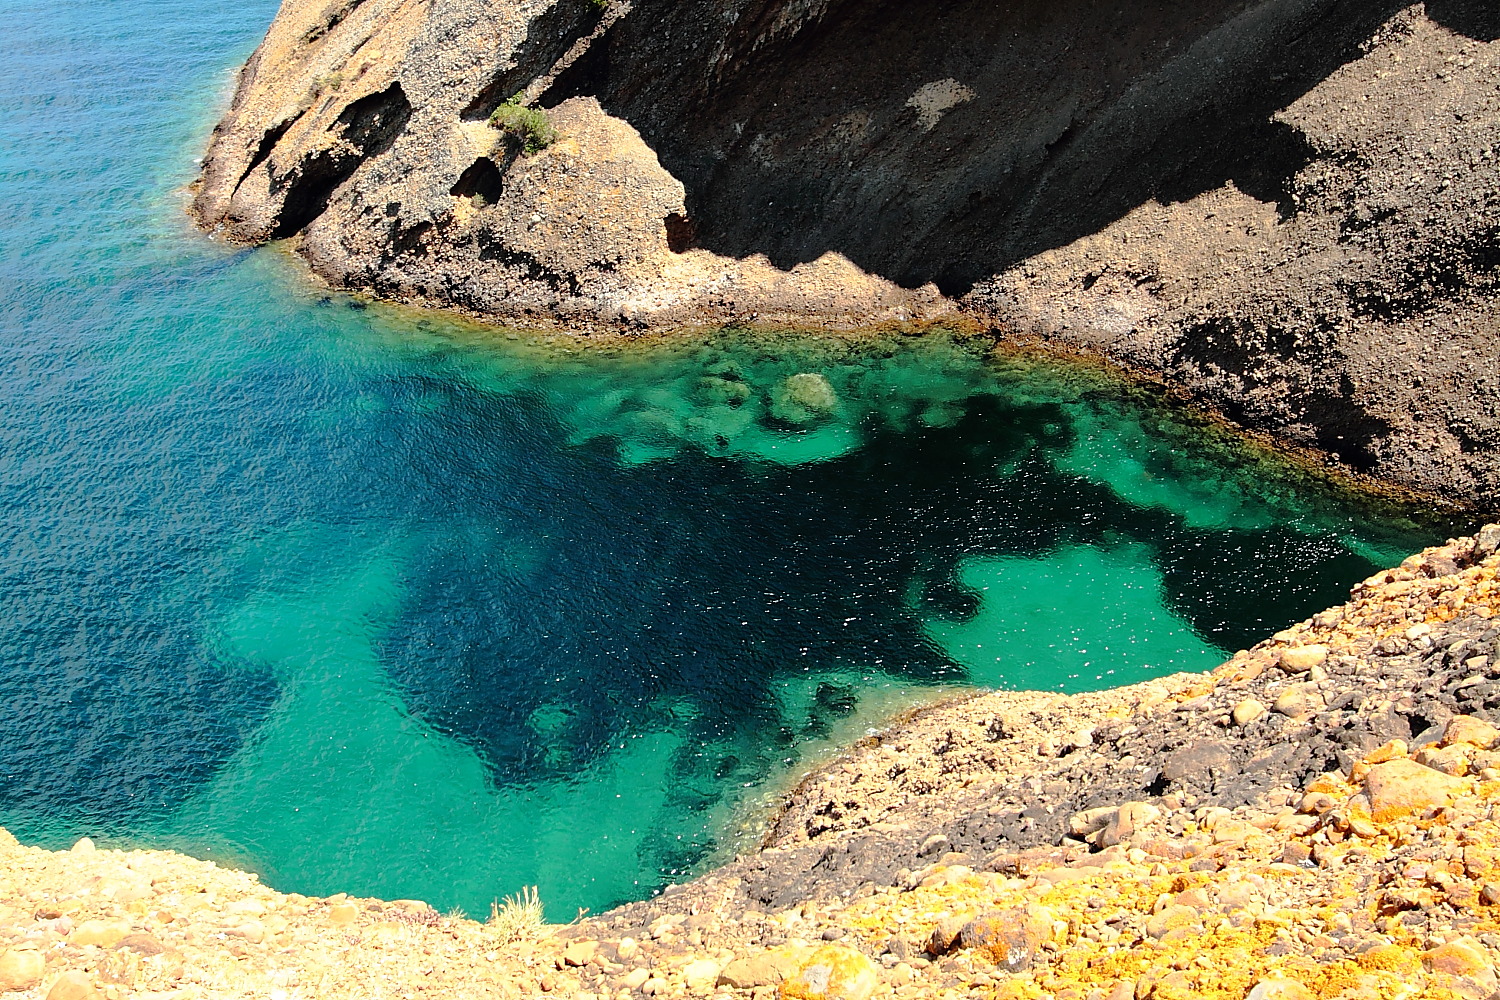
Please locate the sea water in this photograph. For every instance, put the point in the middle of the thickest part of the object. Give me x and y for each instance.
(392, 604)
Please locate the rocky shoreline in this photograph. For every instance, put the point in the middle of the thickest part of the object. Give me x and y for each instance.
(1286, 209)
(1314, 818)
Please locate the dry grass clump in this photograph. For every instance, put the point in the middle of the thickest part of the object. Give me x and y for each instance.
(517, 916)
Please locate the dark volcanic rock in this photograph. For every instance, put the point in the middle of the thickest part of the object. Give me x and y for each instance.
(1290, 208)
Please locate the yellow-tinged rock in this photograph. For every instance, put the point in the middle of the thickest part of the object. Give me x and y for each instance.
(1398, 788)
(1299, 701)
(103, 933)
(20, 970)
(1390, 750)
(8, 839)
(1389, 958)
(1467, 729)
(831, 972)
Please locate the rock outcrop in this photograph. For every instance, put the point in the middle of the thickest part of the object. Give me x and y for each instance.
(1290, 208)
(1148, 842)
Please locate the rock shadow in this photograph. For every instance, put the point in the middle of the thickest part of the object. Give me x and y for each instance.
(945, 140)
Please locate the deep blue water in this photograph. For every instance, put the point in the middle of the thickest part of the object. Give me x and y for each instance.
(390, 604)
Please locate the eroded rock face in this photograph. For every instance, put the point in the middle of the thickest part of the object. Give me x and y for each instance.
(1287, 206)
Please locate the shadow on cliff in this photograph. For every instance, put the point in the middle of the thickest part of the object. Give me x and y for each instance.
(801, 130)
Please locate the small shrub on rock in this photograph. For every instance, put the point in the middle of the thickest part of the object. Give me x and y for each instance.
(528, 126)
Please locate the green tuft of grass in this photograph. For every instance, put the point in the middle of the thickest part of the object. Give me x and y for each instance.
(528, 126)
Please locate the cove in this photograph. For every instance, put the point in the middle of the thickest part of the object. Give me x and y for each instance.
(383, 603)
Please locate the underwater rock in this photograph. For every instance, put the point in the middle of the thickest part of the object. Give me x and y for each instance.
(803, 398)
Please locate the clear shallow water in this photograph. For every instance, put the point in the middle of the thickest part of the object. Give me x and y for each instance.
(386, 604)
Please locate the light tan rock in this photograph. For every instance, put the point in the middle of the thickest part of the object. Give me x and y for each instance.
(702, 975)
(103, 933)
(579, 953)
(1247, 712)
(1280, 989)
(1467, 729)
(766, 969)
(1299, 701)
(1398, 788)
(252, 931)
(1130, 817)
(635, 978)
(1450, 760)
(83, 845)
(1090, 820)
(20, 969)
(74, 985)
(1301, 659)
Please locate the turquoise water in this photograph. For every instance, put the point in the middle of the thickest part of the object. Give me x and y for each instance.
(389, 604)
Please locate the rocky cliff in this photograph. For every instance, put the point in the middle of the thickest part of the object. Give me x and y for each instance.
(1315, 818)
(1290, 208)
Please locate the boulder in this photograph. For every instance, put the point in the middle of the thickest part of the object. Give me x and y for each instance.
(1398, 788)
(103, 933)
(945, 935)
(1130, 817)
(1299, 701)
(579, 953)
(769, 968)
(1247, 712)
(20, 969)
(831, 972)
(702, 975)
(73, 986)
(142, 944)
(1011, 938)
(1279, 989)
(1301, 659)
(1467, 729)
(342, 914)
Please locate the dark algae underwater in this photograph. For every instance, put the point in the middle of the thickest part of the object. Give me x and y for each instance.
(391, 605)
